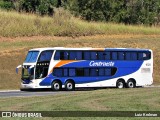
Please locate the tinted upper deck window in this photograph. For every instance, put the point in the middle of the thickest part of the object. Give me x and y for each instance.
(133, 55)
(94, 56)
(72, 55)
(87, 55)
(61, 55)
(79, 55)
(101, 55)
(114, 55)
(121, 55)
(144, 55)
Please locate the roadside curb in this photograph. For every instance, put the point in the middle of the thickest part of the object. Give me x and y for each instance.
(152, 86)
(9, 90)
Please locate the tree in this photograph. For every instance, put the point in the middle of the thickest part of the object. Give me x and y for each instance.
(6, 4)
(42, 7)
(121, 11)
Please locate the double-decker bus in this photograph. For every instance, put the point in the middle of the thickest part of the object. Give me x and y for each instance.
(70, 68)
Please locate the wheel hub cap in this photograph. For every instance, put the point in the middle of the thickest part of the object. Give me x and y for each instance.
(69, 86)
(120, 85)
(56, 86)
(130, 84)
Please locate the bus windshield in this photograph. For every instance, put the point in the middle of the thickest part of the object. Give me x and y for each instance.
(26, 74)
(31, 56)
(45, 56)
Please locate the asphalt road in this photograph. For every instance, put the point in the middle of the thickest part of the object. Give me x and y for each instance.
(18, 93)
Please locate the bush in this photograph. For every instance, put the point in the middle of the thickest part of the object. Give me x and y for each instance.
(41, 7)
(6, 4)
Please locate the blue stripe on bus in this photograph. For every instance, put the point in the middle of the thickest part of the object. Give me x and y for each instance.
(123, 68)
(117, 64)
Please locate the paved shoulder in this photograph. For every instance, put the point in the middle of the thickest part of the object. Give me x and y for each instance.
(151, 86)
(18, 93)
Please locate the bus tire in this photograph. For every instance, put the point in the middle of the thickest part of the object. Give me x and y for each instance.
(21, 89)
(131, 83)
(56, 86)
(69, 85)
(120, 84)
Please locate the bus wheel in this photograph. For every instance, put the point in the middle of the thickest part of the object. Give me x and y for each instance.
(69, 85)
(120, 84)
(131, 84)
(56, 86)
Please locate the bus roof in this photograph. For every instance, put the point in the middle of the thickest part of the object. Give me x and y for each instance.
(89, 48)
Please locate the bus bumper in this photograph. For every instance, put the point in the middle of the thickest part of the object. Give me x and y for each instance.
(32, 86)
(27, 86)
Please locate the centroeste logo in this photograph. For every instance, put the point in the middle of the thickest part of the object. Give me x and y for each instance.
(93, 63)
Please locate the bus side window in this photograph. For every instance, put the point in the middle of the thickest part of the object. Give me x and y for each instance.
(133, 56)
(108, 71)
(78, 55)
(72, 55)
(114, 55)
(100, 55)
(86, 71)
(120, 55)
(72, 72)
(146, 55)
(86, 55)
(58, 72)
(140, 56)
(79, 72)
(93, 72)
(65, 72)
(93, 55)
(128, 56)
(107, 55)
(63, 55)
(113, 71)
(57, 55)
(66, 54)
(101, 72)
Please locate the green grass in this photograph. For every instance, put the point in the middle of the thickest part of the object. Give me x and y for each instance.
(137, 99)
(15, 24)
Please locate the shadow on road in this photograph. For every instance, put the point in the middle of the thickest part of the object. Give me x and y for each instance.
(50, 90)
